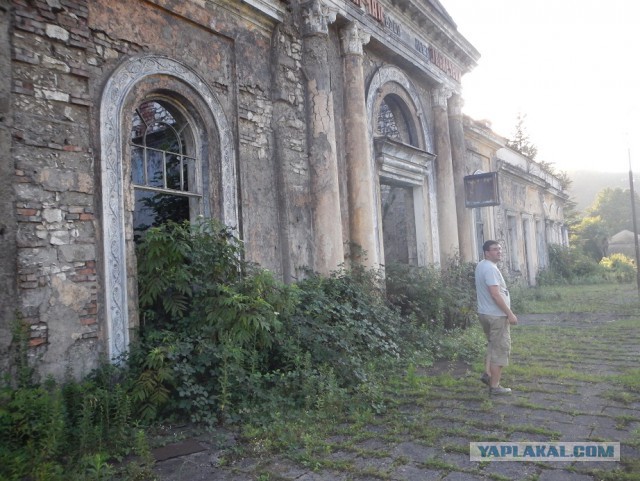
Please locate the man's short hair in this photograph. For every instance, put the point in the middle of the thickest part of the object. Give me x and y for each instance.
(486, 247)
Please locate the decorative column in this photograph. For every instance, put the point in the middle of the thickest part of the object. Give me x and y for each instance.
(447, 216)
(321, 138)
(458, 155)
(360, 180)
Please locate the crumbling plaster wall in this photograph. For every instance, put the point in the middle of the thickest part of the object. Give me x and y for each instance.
(63, 52)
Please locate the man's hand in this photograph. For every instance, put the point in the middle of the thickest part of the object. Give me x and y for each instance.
(512, 318)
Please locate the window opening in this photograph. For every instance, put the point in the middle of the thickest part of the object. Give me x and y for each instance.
(164, 171)
(394, 122)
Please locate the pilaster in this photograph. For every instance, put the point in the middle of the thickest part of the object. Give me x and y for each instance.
(327, 223)
(458, 155)
(361, 176)
(447, 216)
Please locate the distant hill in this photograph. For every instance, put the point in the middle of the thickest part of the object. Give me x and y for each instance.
(586, 185)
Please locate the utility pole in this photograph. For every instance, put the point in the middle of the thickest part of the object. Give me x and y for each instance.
(635, 224)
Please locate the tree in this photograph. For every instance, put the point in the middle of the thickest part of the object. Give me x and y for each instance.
(521, 142)
(609, 214)
(591, 236)
(614, 208)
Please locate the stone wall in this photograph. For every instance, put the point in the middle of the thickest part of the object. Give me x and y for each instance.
(54, 182)
(61, 53)
(8, 274)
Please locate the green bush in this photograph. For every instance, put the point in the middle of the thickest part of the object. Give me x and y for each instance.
(621, 267)
(434, 296)
(344, 321)
(568, 265)
(50, 431)
(229, 339)
(223, 340)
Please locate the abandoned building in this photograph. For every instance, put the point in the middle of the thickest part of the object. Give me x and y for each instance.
(309, 126)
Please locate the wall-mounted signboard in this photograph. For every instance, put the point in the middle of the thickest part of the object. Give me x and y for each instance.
(481, 190)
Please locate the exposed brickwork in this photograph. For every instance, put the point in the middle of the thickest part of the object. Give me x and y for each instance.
(61, 55)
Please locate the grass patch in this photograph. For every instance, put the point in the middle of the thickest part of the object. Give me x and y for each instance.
(609, 298)
(630, 380)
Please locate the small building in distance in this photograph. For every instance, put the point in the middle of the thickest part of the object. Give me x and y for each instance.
(622, 243)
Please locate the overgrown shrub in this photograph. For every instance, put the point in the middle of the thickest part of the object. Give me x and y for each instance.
(569, 265)
(620, 267)
(56, 431)
(211, 322)
(222, 339)
(434, 296)
(227, 339)
(345, 322)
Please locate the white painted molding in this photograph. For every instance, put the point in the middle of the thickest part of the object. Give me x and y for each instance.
(116, 91)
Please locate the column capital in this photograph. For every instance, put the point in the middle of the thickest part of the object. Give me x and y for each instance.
(353, 38)
(440, 95)
(316, 18)
(455, 104)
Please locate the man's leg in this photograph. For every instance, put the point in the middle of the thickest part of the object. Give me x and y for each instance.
(500, 349)
(495, 372)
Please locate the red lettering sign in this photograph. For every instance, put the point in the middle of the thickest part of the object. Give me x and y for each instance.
(372, 7)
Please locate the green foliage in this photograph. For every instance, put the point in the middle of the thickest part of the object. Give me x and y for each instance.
(56, 431)
(434, 296)
(621, 267)
(569, 265)
(212, 323)
(344, 321)
(457, 344)
(613, 206)
(591, 236)
(572, 266)
(610, 213)
(223, 340)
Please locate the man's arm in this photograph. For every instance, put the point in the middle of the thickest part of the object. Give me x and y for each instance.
(499, 300)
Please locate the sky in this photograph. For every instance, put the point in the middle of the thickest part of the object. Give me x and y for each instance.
(572, 67)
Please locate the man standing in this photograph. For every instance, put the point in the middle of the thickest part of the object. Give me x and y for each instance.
(494, 310)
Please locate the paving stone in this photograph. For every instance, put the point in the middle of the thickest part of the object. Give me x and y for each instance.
(413, 473)
(284, 468)
(460, 476)
(576, 410)
(373, 444)
(183, 448)
(562, 475)
(368, 463)
(323, 476)
(512, 470)
(416, 452)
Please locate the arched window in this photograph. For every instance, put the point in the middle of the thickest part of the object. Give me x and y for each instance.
(167, 152)
(165, 167)
(396, 122)
(406, 215)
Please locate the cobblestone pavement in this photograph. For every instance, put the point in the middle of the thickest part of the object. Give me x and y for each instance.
(571, 396)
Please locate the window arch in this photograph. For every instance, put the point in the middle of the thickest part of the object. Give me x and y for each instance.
(186, 107)
(396, 112)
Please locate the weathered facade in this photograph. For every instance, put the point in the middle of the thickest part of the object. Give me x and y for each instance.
(310, 127)
(530, 215)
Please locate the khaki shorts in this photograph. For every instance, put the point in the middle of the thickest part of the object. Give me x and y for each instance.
(498, 333)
